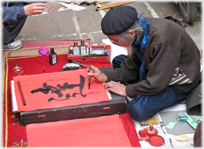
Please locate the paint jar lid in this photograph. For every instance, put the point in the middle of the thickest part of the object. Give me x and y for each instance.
(75, 44)
(156, 140)
(82, 43)
(52, 50)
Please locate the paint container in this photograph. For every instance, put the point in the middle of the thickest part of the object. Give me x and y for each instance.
(52, 57)
(150, 135)
(76, 50)
(83, 48)
(156, 140)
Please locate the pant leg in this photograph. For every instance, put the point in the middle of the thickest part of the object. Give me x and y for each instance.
(117, 60)
(15, 29)
(6, 35)
(144, 107)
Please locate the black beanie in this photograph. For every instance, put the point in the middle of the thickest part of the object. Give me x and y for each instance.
(118, 19)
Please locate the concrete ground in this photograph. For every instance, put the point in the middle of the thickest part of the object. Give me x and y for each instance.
(70, 24)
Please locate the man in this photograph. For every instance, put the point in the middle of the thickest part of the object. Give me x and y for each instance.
(162, 66)
(14, 17)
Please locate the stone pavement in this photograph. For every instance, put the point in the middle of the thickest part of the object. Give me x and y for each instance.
(70, 24)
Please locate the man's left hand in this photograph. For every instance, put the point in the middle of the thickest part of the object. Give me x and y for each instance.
(116, 88)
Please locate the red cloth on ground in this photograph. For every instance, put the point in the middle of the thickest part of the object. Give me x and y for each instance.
(14, 135)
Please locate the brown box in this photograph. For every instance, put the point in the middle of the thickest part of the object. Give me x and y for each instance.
(117, 105)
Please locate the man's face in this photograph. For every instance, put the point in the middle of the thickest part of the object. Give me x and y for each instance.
(122, 41)
(114, 39)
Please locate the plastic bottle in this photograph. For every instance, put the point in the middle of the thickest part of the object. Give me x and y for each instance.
(83, 48)
(52, 57)
(76, 50)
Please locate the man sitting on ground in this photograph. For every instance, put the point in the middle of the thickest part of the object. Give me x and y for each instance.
(14, 17)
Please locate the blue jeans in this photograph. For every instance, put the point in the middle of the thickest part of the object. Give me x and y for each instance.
(117, 60)
(143, 107)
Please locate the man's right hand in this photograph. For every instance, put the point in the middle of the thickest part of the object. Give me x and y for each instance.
(97, 74)
(34, 8)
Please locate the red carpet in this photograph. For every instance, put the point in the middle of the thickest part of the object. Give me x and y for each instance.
(14, 135)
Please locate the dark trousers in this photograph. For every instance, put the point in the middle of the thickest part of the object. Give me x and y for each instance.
(143, 107)
(14, 29)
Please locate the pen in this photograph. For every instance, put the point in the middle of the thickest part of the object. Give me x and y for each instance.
(21, 92)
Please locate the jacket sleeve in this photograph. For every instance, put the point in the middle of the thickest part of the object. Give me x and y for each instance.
(165, 59)
(128, 71)
(12, 15)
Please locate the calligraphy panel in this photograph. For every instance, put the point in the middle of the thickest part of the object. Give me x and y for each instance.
(58, 89)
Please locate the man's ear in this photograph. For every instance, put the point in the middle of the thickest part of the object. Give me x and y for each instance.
(132, 33)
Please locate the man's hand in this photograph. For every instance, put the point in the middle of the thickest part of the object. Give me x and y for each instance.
(34, 8)
(116, 87)
(97, 74)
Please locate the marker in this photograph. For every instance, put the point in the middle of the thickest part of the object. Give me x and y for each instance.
(21, 92)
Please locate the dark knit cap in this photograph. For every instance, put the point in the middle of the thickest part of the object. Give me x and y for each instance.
(118, 19)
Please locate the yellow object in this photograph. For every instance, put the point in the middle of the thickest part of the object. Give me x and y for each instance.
(152, 121)
(182, 138)
(113, 4)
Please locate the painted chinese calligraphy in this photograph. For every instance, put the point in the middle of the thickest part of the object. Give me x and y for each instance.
(57, 90)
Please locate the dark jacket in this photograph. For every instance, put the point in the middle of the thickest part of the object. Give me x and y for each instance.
(171, 59)
(14, 11)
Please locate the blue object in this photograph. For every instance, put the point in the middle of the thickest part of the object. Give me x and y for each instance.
(97, 49)
(140, 44)
(180, 19)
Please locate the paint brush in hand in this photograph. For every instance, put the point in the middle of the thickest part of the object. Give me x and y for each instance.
(89, 78)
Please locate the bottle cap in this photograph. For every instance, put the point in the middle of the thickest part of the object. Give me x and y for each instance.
(52, 50)
(75, 44)
(82, 43)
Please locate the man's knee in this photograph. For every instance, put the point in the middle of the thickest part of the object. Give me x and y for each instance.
(138, 112)
(117, 60)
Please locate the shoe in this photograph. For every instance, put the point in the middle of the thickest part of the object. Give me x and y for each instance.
(15, 45)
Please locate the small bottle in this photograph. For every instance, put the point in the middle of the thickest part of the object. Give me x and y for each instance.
(76, 50)
(52, 57)
(83, 48)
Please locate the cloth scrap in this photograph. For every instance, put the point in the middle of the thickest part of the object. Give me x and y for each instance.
(182, 117)
(171, 125)
(190, 122)
(44, 51)
(197, 120)
(52, 7)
